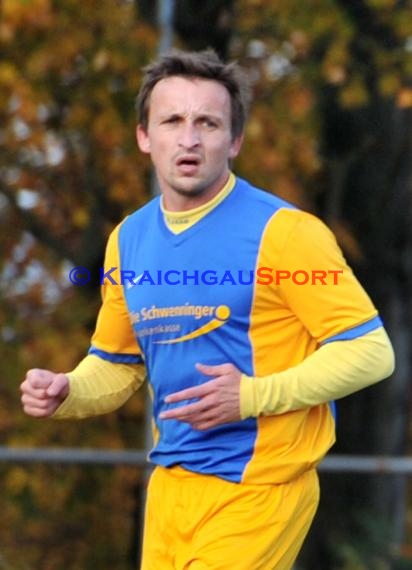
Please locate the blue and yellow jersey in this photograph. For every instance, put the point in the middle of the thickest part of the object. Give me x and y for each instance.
(256, 283)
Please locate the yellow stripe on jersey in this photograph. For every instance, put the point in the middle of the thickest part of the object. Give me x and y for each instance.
(288, 323)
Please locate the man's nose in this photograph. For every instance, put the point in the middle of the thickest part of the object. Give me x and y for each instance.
(189, 135)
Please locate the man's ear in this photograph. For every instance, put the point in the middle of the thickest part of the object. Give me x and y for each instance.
(143, 140)
(235, 147)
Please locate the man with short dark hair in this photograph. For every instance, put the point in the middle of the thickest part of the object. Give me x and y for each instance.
(244, 315)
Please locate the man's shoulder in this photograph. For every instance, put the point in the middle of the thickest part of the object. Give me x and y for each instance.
(257, 206)
(281, 218)
(249, 194)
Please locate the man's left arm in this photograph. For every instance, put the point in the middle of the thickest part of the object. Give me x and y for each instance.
(335, 370)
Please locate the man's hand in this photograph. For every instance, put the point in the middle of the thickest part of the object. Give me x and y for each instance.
(218, 400)
(43, 392)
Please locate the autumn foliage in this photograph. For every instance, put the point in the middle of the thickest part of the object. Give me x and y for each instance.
(70, 170)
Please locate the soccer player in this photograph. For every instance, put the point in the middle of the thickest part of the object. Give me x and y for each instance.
(248, 323)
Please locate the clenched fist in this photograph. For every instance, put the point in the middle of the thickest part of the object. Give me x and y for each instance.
(42, 392)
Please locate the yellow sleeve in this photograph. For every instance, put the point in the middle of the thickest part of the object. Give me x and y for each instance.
(310, 251)
(114, 338)
(335, 370)
(98, 386)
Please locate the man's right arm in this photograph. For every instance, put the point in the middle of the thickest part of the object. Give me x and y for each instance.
(108, 375)
(94, 387)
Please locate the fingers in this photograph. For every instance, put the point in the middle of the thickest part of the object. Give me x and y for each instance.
(35, 407)
(42, 392)
(200, 415)
(39, 379)
(183, 413)
(215, 402)
(59, 386)
(189, 393)
(216, 371)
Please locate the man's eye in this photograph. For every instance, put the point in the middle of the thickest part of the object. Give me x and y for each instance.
(209, 123)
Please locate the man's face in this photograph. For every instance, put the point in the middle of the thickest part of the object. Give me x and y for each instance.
(189, 139)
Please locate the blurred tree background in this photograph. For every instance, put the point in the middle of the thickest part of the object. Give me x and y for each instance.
(330, 130)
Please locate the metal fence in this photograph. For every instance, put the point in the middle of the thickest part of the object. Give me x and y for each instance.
(332, 463)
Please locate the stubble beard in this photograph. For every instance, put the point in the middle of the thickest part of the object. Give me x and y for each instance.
(196, 189)
(187, 193)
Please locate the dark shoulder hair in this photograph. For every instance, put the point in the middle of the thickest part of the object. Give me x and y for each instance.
(201, 64)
